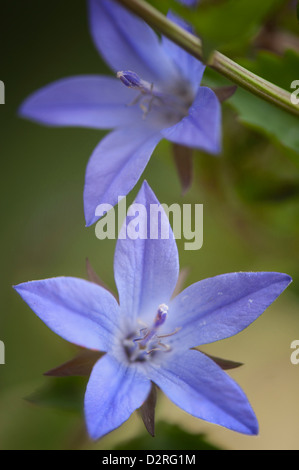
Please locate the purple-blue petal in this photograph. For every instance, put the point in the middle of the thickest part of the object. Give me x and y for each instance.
(79, 311)
(190, 68)
(114, 392)
(201, 129)
(88, 101)
(197, 385)
(146, 270)
(220, 307)
(128, 43)
(189, 3)
(116, 165)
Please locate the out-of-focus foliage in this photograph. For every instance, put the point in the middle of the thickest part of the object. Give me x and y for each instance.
(227, 25)
(65, 393)
(275, 123)
(232, 26)
(171, 438)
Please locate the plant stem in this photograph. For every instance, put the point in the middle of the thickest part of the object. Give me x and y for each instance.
(219, 62)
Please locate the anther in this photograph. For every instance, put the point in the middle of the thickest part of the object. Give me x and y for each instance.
(130, 79)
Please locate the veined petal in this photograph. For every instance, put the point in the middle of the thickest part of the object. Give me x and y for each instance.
(128, 43)
(116, 165)
(197, 385)
(146, 270)
(88, 101)
(79, 311)
(201, 129)
(190, 68)
(113, 392)
(222, 306)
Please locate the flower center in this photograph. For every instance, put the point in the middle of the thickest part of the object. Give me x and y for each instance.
(174, 104)
(148, 342)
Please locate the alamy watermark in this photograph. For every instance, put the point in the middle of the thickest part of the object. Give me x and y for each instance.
(187, 222)
(295, 94)
(2, 92)
(295, 354)
(2, 353)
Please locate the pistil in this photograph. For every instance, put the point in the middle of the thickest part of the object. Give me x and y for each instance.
(141, 348)
(150, 95)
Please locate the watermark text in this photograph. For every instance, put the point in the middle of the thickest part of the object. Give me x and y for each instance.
(295, 354)
(295, 94)
(153, 223)
(2, 353)
(2, 92)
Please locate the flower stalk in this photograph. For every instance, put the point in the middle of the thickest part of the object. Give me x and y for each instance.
(219, 62)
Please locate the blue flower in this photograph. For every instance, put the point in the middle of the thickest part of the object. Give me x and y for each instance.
(156, 95)
(149, 335)
(189, 3)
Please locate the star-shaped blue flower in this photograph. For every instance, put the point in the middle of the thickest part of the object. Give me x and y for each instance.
(156, 95)
(148, 336)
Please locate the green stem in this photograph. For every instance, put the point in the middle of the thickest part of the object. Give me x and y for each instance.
(227, 67)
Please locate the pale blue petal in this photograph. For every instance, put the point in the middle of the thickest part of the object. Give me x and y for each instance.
(220, 307)
(190, 68)
(128, 43)
(114, 392)
(201, 129)
(197, 385)
(116, 165)
(87, 101)
(146, 270)
(79, 311)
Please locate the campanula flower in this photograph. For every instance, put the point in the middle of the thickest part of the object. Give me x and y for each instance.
(149, 335)
(155, 94)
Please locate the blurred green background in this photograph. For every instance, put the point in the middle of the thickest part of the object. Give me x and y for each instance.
(251, 223)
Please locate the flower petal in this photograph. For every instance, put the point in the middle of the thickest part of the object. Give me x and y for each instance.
(191, 68)
(79, 311)
(220, 307)
(88, 101)
(189, 3)
(200, 387)
(116, 165)
(113, 392)
(146, 270)
(201, 129)
(128, 43)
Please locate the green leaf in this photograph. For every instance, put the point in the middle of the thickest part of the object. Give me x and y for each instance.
(170, 437)
(65, 393)
(280, 126)
(234, 22)
(225, 26)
